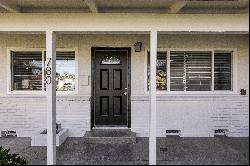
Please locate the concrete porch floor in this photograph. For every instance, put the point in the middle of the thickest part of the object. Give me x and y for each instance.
(191, 151)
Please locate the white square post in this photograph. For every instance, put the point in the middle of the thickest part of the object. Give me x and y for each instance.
(152, 130)
(50, 71)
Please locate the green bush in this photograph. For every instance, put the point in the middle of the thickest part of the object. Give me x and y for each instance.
(10, 159)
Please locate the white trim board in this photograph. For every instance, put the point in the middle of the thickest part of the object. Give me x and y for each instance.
(134, 22)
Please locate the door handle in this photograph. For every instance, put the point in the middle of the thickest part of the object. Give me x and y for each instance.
(125, 93)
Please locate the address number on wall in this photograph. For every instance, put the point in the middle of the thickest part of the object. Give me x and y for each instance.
(48, 72)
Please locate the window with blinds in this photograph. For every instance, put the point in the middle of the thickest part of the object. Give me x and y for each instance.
(26, 71)
(222, 71)
(190, 70)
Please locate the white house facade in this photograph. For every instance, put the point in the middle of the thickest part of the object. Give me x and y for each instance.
(195, 114)
(142, 68)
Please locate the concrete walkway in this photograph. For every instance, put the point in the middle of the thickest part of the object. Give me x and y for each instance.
(191, 151)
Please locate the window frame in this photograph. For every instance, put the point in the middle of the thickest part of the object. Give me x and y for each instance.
(212, 92)
(42, 92)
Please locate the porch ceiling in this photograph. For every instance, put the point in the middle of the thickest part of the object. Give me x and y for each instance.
(124, 6)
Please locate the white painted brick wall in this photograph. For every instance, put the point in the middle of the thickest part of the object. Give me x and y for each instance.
(28, 115)
(195, 116)
(232, 114)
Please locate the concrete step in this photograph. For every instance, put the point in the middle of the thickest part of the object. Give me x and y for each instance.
(110, 136)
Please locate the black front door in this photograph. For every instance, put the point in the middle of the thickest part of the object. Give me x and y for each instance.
(111, 89)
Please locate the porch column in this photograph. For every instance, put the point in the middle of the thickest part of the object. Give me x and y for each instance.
(152, 130)
(50, 71)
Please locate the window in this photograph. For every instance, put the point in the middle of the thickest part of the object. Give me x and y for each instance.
(190, 71)
(222, 71)
(161, 71)
(65, 71)
(193, 71)
(27, 71)
(110, 60)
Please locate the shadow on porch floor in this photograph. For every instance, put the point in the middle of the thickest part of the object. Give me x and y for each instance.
(169, 151)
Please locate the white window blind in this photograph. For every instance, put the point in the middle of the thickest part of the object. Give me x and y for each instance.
(190, 70)
(26, 71)
(222, 71)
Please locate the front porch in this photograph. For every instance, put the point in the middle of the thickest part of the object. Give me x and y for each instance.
(190, 76)
(180, 151)
(194, 114)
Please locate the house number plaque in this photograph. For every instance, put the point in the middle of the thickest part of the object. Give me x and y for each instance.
(48, 72)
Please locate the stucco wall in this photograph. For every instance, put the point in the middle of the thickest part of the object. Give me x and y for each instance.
(194, 115)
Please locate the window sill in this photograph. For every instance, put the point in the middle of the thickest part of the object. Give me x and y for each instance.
(190, 97)
(42, 98)
(197, 93)
(32, 93)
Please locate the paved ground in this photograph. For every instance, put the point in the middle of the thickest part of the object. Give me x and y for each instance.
(191, 151)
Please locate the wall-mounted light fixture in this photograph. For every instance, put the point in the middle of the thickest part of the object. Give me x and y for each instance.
(138, 46)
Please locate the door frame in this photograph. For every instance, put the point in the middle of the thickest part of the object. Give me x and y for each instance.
(93, 49)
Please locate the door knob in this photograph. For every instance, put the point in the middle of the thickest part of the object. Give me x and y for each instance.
(125, 93)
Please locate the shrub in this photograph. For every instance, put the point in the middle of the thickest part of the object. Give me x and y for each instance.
(10, 159)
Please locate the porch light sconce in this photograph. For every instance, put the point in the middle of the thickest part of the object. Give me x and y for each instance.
(138, 46)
